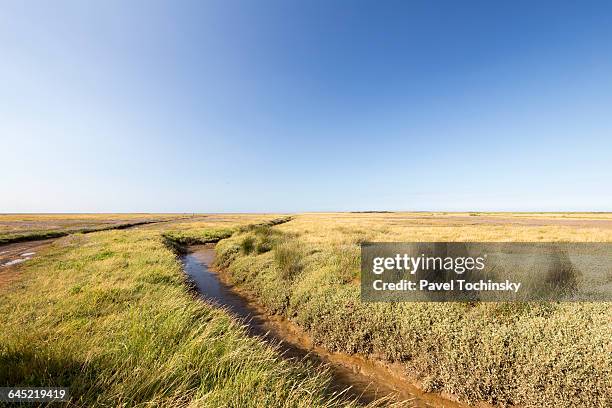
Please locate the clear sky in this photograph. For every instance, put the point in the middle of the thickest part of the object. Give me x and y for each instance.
(215, 106)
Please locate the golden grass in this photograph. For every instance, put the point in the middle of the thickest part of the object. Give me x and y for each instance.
(526, 354)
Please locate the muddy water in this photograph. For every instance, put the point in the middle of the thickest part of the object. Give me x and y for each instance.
(13, 254)
(358, 377)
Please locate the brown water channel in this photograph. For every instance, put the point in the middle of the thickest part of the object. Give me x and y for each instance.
(358, 377)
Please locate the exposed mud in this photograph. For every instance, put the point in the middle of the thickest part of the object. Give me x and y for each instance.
(357, 376)
(12, 255)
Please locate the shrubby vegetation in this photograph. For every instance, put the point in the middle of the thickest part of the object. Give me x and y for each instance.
(178, 238)
(193, 234)
(527, 354)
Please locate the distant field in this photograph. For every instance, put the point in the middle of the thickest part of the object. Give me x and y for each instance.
(38, 226)
(18, 227)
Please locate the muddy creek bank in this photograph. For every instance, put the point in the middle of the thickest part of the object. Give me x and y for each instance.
(365, 380)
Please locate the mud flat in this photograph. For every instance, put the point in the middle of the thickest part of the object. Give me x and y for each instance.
(12, 255)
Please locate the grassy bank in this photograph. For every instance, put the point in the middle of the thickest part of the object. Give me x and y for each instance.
(195, 232)
(108, 315)
(532, 355)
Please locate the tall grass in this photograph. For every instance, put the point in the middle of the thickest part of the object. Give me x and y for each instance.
(108, 315)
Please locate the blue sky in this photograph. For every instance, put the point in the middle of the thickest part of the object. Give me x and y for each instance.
(228, 106)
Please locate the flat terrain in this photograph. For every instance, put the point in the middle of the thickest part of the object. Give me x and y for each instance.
(16, 227)
(148, 340)
(526, 354)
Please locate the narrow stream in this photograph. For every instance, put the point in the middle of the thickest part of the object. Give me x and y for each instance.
(365, 380)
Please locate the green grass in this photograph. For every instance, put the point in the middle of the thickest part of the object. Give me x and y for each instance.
(180, 238)
(526, 354)
(109, 315)
(31, 236)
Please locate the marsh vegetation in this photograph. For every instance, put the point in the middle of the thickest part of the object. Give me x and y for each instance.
(527, 354)
(110, 314)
